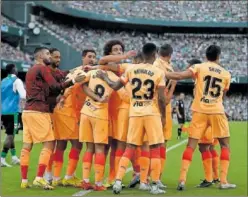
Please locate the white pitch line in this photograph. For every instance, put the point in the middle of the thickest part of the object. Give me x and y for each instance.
(83, 192)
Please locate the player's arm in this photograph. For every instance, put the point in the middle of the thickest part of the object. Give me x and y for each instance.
(227, 86)
(19, 86)
(115, 85)
(116, 58)
(187, 74)
(77, 68)
(52, 83)
(161, 103)
(110, 66)
(170, 93)
(161, 98)
(92, 95)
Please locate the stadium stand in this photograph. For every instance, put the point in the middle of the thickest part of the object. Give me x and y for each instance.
(228, 11)
(234, 47)
(9, 52)
(6, 21)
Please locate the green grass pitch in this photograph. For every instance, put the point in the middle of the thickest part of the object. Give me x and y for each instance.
(10, 177)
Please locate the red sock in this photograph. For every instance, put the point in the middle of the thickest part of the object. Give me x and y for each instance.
(207, 164)
(224, 164)
(215, 164)
(100, 159)
(186, 161)
(118, 155)
(136, 164)
(162, 158)
(24, 162)
(43, 161)
(58, 160)
(155, 164)
(73, 161)
(128, 154)
(87, 162)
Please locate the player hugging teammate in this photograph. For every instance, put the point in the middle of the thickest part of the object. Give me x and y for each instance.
(121, 107)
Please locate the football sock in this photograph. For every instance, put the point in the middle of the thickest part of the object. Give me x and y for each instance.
(215, 164)
(43, 161)
(58, 159)
(144, 166)
(207, 165)
(224, 164)
(73, 161)
(128, 154)
(100, 160)
(186, 161)
(87, 162)
(118, 155)
(24, 162)
(155, 164)
(162, 158)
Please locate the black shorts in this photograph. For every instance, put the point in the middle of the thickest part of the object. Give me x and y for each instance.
(8, 123)
(181, 120)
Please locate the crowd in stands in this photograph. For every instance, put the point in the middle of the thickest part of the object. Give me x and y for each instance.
(186, 46)
(235, 106)
(9, 52)
(214, 11)
(6, 21)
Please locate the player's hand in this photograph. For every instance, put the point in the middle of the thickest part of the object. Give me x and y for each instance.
(79, 78)
(104, 99)
(101, 74)
(179, 116)
(131, 53)
(61, 103)
(87, 68)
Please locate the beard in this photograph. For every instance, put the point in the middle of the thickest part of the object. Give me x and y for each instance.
(54, 64)
(47, 62)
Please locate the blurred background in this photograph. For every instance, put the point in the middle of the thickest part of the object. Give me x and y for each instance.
(189, 26)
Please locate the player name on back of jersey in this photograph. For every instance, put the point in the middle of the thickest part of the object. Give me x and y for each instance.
(143, 71)
(216, 70)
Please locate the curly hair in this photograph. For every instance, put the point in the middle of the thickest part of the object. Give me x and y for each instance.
(108, 46)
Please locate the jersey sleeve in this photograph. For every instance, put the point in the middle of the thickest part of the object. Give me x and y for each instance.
(122, 67)
(125, 77)
(162, 80)
(194, 69)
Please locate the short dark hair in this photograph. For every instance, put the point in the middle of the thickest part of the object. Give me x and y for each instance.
(84, 53)
(213, 52)
(53, 50)
(165, 50)
(149, 49)
(38, 49)
(108, 46)
(194, 61)
(9, 68)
